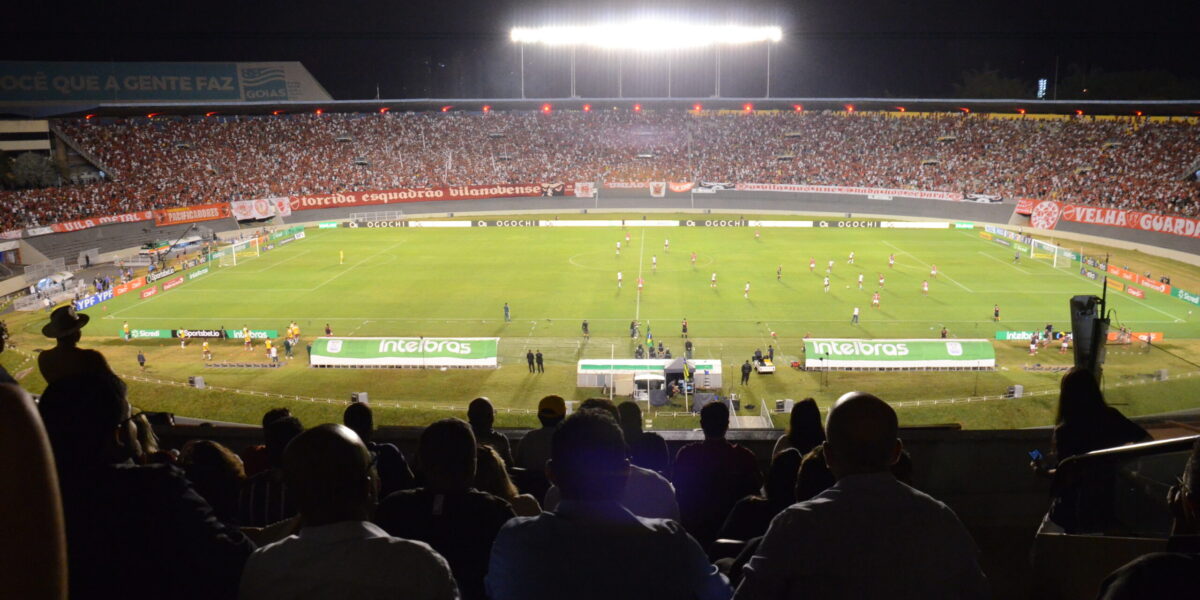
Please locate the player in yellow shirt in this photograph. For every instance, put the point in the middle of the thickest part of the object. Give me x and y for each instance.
(206, 352)
(341, 257)
(246, 343)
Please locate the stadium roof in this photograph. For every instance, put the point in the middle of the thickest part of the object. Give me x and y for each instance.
(1088, 107)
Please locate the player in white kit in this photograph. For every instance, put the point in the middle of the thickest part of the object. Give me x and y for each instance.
(826, 284)
(746, 294)
(618, 280)
(860, 281)
(713, 282)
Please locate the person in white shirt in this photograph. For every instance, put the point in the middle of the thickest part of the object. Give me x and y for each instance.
(868, 536)
(618, 280)
(854, 317)
(338, 553)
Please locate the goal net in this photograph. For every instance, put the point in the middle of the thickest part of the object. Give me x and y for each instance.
(230, 255)
(1057, 256)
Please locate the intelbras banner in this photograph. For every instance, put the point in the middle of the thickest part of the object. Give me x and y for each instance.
(823, 354)
(390, 352)
(27, 82)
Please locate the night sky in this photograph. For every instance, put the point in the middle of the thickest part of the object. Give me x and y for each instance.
(460, 48)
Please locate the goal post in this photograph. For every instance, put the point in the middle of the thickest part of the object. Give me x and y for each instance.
(238, 251)
(1057, 256)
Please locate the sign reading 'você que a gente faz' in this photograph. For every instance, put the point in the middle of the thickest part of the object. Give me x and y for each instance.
(405, 352)
(898, 354)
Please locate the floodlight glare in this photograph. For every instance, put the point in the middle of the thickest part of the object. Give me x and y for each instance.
(646, 35)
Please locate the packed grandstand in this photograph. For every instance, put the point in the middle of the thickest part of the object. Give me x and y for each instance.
(160, 162)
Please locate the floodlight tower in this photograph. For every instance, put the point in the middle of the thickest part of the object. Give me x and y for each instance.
(647, 36)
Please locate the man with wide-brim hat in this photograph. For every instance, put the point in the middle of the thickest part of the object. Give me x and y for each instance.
(66, 359)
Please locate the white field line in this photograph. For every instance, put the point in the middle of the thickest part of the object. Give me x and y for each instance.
(637, 312)
(1005, 263)
(902, 251)
(374, 318)
(355, 266)
(272, 266)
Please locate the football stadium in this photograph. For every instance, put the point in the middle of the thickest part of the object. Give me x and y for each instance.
(966, 330)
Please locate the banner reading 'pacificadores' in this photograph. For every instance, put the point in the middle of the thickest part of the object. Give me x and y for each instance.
(898, 354)
(384, 352)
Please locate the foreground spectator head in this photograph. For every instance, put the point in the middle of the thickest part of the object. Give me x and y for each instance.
(780, 483)
(480, 414)
(630, 417)
(273, 415)
(804, 427)
(551, 410)
(714, 420)
(88, 421)
(861, 432)
(328, 472)
(217, 474)
(359, 418)
(603, 404)
(278, 434)
(65, 325)
(587, 457)
(446, 455)
(1079, 396)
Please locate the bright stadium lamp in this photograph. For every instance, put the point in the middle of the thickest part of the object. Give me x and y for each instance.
(646, 36)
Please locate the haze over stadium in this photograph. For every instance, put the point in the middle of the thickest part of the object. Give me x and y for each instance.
(682, 300)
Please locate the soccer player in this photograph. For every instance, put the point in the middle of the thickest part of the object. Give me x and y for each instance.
(757, 233)
(328, 329)
(246, 341)
(341, 257)
(945, 332)
(1017, 256)
(619, 276)
(507, 313)
(626, 235)
(746, 293)
(829, 269)
(586, 334)
(618, 247)
(1065, 344)
(854, 317)
(641, 284)
(995, 312)
(860, 281)
(1033, 344)
(295, 330)
(891, 261)
(274, 354)
(881, 280)
(812, 264)
(851, 259)
(693, 258)
(826, 284)
(683, 327)
(666, 245)
(141, 358)
(875, 300)
(713, 282)
(925, 287)
(933, 271)
(779, 273)
(654, 263)
(204, 351)
(125, 328)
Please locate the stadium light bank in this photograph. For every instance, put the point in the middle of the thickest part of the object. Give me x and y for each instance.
(647, 36)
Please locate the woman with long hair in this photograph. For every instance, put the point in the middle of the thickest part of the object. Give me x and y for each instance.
(491, 477)
(805, 430)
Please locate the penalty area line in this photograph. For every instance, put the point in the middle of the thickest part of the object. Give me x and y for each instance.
(902, 251)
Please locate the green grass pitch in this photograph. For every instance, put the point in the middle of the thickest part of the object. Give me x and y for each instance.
(454, 282)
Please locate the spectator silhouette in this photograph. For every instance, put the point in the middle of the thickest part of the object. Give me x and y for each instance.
(5, 376)
(711, 476)
(534, 449)
(591, 546)
(646, 493)
(458, 521)
(860, 538)
(752, 515)
(33, 548)
(491, 477)
(646, 449)
(217, 475)
(338, 553)
(394, 473)
(1166, 574)
(482, 416)
(1085, 422)
(264, 499)
(805, 431)
(121, 515)
(66, 359)
(256, 459)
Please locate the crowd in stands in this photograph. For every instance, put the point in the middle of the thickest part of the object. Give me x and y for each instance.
(325, 512)
(165, 162)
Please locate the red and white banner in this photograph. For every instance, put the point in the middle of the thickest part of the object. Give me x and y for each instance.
(1135, 292)
(90, 222)
(858, 191)
(456, 192)
(11, 235)
(1120, 337)
(626, 185)
(191, 214)
(129, 286)
(248, 210)
(150, 291)
(1157, 286)
(1025, 206)
(681, 187)
(283, 206)
(585, 189)
(1047, 213)
(172, 283)
(1122, 273)
(658, 189)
